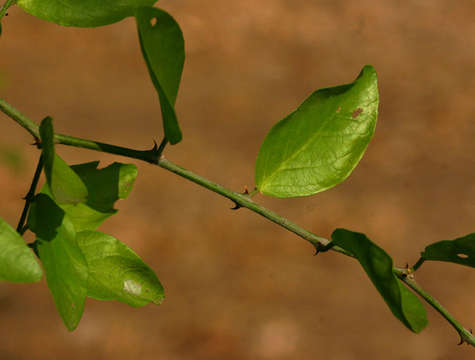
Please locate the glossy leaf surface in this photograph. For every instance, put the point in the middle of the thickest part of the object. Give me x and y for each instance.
(83, 13)
(66, 187)
(105, 186)
(116, 272)
(17, 262)
(64, 264)
(318, 145)
(459, 251)
(378, 266)
(163, 49)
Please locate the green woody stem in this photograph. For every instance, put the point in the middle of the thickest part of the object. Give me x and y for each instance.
(5, 7)
(241, 200)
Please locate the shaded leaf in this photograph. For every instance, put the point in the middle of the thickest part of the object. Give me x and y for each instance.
(17, 261)
(163, 49)
(105, 186)
(64, 264)
(379, 267)
(66, 187)
(116, 272)
(83, 13)
(460, 251)
(318, 145)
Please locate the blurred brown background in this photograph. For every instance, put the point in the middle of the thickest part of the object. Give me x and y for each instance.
(237, 286)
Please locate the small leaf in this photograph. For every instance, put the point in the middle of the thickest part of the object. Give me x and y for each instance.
(379, 265)
(17, 261)
(116, 272)
(460, 251)
(83, 13)
(318, 145)
(105, 186)
(64, 264)
(163, 49)
(66, 187)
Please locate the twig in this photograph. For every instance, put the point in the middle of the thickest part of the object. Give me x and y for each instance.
(5, 7)
(243, 200)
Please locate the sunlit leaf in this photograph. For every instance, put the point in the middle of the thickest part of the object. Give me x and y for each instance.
(163, 49)
(105, 186)
(83, 13)
(460, 251)
(64, 264)
(17, 261)
(66, 187)
(116, 272)
(379, 267)
(318, 145)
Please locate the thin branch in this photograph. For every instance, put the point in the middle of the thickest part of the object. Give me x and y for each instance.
(33, 128)
(5, 7)
(242, 200)
(29, 197)
(151, 157)
(466, 336)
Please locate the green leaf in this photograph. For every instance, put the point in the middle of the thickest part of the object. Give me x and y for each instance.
(116, 272)
(163, 49)
(318, 145)
(17, 261)
(105, 186)
(460, 251)
(66, 187)
(379, 265)
(83, 13)
(64, 264)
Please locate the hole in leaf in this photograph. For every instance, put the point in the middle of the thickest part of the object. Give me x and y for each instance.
(462, 256)
(153, 21)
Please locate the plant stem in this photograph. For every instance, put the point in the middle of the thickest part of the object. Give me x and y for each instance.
(242, 200)
(465, 335)
(152, 156)
(5, 7)
(29, 197)
(245, 201)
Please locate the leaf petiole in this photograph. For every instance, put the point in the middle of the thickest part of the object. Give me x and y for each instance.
(21, 228)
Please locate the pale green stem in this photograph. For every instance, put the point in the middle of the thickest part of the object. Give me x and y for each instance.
(242, 200)
(5, 7)
(466, 336)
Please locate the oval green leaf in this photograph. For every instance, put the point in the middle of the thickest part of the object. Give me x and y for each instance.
(379, 267)
(66, 187)
(459, 251)
(318, 145)
(116, 272)
(163, 49)
(105, 186)
(83, 13)
(17, 261)
(64, 264)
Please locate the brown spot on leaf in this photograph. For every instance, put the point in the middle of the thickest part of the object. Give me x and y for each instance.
(339, 109)
(356, 113)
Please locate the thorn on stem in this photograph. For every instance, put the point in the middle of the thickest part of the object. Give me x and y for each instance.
(236, 206)
(37, 142)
